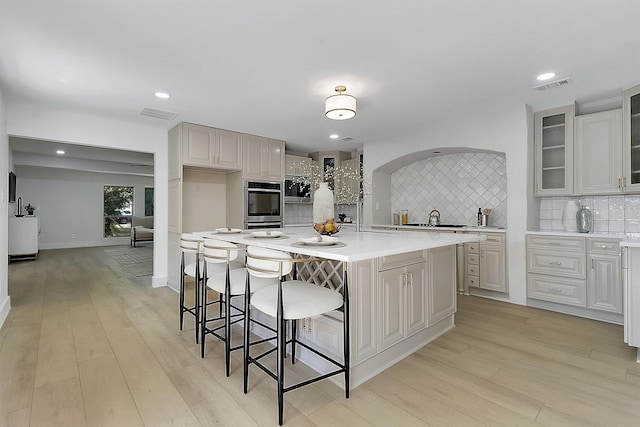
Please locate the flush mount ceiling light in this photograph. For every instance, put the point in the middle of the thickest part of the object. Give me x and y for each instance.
(340, 106)
(162, 95)
(59, 151)
(334, 136)
(545, 76)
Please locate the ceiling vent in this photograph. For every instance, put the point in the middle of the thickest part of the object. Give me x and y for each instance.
(346, 139)
(551, 85)
(158, 114)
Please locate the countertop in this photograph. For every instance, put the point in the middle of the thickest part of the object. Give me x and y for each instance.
(357, 246)
(560, 233)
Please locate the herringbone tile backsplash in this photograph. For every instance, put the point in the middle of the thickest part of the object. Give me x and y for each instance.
(456, 185)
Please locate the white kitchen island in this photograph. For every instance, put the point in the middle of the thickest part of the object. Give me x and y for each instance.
(401, 285)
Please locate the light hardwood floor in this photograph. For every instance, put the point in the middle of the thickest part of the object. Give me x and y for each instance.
(87, 344)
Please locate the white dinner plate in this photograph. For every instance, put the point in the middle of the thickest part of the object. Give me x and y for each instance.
(267, 234)
(313, 241)
(226, 230)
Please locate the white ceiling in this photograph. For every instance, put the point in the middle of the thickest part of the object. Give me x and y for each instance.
(265, 67)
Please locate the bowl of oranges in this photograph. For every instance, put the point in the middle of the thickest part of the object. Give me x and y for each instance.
(327, 228)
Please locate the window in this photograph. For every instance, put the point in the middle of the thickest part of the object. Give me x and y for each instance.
(118, 208)
(148, 201)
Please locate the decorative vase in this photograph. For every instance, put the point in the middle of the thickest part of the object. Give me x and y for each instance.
(323, 208)
(584, 218)
(569, 216)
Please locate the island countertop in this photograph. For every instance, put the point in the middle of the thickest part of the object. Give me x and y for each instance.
(357, 246)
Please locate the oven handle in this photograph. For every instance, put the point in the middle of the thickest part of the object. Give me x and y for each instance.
(262, 190)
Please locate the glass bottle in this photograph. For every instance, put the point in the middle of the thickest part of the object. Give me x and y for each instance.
(405, 216)
(584, 218)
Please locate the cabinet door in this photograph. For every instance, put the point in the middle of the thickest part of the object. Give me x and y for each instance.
(599, 153)
(198, 145)
(228, 153)
(391, 296)
(252, 157)
(273, 159)
(631, 138)
(604, 285)
(415, 298)
(554, 152)
(492, 268)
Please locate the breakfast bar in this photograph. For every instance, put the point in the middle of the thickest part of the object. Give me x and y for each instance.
(402, 290)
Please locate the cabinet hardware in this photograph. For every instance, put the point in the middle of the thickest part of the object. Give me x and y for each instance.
(624, 181)
(604, 246)
(592, 267)
(555, 263)
(410, 279)
(556, 290)
(619, 182)
(554, 243)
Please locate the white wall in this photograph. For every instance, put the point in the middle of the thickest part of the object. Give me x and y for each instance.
(5, 302)
(40, 122)
(70, 203)
(502, 131)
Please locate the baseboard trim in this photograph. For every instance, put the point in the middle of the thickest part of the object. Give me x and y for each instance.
(158, 281)
(117, 241)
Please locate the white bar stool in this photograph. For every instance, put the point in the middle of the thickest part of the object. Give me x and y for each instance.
(290, 300)
(190, 265)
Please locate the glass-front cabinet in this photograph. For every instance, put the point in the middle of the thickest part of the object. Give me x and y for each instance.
(554, 151)
(631, 138)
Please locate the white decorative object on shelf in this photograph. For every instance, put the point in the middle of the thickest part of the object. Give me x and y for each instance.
(323, 208)
(569, 215)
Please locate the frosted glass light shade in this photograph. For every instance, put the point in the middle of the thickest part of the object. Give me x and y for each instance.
(340, 107)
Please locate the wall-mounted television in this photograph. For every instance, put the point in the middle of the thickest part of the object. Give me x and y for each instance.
(12, 187)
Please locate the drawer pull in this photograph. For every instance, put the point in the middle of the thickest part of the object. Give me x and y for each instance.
(554, 243)
(555, 263)
(605, 247)
(556, 290)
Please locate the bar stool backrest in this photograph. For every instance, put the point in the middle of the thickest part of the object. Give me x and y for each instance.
(190, 245)
(219, 252)
(268, 263)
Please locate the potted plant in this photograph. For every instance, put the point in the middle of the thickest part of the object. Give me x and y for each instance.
(30, 209)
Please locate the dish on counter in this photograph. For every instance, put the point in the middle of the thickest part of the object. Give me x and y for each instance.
(319, 241)
(267, 234)
(227, 230)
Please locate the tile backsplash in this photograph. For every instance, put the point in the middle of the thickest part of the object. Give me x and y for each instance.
(611, 214)
(454, 184)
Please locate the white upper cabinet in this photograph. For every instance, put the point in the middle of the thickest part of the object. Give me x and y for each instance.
(264, 158)
(211, 148)
(554, 151)
(296, 165)
(631, 138)
(598, 153)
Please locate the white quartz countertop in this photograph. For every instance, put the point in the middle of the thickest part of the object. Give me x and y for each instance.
(575, 234)
(467, 228)
(355, 246)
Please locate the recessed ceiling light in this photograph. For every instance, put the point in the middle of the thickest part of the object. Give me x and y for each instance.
(546, 76)
(162, 95)
(334, 136)
(60, 151)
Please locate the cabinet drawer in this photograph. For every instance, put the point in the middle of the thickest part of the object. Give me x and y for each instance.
(473, 270)
(558, 243)
(494, 239)
(473, 281)
(604, 246)
(473, 259)
(393, 261)
(556, 289)
(472, 248)
(564, 264)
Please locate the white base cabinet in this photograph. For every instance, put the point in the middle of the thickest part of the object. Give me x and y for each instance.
(579, 272)
(486, 263)
(23, 237)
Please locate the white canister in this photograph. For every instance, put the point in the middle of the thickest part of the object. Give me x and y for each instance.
(323, 208)
(569, 216)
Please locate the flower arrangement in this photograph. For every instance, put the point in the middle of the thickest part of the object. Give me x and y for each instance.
(30, 209)
(345, 182)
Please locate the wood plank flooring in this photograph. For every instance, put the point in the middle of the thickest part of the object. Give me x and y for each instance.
(87, 344)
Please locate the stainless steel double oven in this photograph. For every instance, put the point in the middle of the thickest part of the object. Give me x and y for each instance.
(263, 204)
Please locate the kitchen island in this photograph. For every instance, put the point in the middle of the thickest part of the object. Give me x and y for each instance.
(402, 291)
